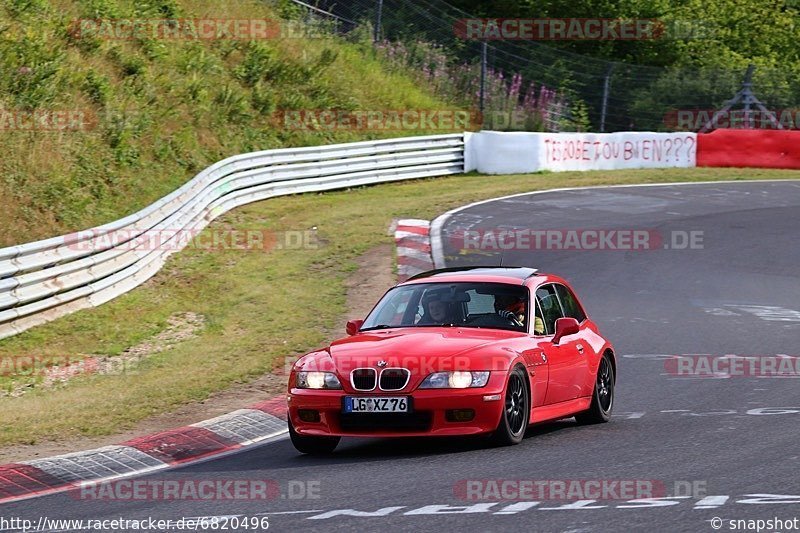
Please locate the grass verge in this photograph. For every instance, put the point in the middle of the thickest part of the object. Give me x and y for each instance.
(259, 307)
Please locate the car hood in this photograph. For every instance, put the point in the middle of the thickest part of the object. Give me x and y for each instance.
(420, 349)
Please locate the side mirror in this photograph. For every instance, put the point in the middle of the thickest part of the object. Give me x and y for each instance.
(353, 326)
(565, 326)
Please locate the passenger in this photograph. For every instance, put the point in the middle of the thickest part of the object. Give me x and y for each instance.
(436, 310)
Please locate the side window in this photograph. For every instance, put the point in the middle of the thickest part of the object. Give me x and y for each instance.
(551, 309)
(571, 306)
(538, 320)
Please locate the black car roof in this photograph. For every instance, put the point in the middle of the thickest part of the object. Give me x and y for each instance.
(521, 273)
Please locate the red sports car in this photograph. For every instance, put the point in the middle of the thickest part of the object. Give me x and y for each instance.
(456, 351)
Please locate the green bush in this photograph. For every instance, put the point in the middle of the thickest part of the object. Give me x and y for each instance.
(259, 62)
(97, 87)
(32, 69)
(18, 8)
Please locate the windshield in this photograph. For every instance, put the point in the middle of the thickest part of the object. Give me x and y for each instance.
(479, 305)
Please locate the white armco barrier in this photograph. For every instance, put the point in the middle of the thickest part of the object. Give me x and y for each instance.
(493, 152)
(43, 280)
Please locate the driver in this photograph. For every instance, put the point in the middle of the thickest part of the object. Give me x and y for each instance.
(511, 307)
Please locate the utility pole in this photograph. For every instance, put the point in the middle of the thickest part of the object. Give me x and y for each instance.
(484, 49)
(378, 15)
(606, 90)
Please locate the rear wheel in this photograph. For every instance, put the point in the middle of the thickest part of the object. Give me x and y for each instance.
(312, 445)
(516, 411)
(603, 398)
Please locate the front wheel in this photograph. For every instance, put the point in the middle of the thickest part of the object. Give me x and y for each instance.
(312, 445)
(516, 411)
(603, 398)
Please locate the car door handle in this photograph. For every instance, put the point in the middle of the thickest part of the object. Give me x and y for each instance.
(580, 348)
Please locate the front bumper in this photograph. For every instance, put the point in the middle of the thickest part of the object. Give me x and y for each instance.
(428, 416)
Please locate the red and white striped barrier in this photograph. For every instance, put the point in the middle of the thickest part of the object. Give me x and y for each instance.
(412, 238)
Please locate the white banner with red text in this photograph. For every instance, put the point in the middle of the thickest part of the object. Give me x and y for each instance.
(494, 152)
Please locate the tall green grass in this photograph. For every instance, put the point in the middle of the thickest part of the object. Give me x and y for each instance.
(165, 108)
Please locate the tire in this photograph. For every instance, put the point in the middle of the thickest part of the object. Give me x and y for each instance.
(603, 398)
(516, 411)
(312, 445)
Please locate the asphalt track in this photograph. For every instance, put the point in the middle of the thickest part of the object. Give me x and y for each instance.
(737, 293)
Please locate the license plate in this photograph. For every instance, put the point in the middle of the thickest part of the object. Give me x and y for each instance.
(376, 404)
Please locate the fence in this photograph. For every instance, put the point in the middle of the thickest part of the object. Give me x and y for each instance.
(44, 280)
(581, 92)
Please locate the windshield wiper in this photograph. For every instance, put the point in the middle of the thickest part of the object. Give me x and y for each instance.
(379, 326)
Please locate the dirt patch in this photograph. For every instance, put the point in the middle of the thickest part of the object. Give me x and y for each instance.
(180, 327)
(373, 276)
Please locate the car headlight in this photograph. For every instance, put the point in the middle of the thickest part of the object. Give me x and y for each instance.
(317, 380)
(455, 380)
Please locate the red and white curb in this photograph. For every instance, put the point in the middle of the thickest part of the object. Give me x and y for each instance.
(208, 438)
(412, 238)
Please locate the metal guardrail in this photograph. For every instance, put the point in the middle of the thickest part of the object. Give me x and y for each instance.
(43, 280)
